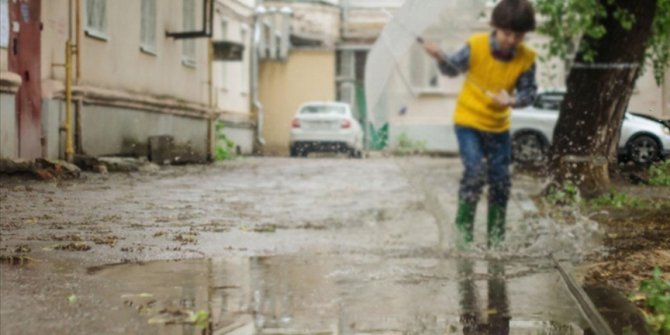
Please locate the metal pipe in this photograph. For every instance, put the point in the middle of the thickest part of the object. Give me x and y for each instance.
(210, 86)
(69, 148)
(78, 39)
(69, 19)
(78, 140)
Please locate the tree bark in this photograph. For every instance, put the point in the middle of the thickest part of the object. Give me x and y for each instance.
(597, 95)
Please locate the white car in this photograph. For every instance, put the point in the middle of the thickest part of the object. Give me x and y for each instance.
(325, 126)
(643, 140)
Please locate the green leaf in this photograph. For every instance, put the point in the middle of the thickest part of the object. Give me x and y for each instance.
(200, 318)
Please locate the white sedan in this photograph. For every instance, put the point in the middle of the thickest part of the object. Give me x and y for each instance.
(325, 126)
(643, 140)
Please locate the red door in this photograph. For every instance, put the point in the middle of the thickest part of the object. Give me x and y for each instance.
(24, 59)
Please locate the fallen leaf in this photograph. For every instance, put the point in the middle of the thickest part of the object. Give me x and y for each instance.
(491, 311)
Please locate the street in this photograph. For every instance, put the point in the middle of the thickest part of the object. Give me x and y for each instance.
(273, 246)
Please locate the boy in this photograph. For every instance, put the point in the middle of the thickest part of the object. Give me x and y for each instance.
(495, 64)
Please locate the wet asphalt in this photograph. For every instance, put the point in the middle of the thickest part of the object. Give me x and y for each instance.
(324, 245)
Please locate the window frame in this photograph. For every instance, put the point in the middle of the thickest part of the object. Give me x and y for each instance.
(151, 47)
(97, 30)
(189, 50)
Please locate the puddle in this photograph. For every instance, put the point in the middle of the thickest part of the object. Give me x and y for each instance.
(345, 295)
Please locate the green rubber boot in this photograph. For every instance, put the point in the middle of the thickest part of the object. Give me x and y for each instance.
(495, 226)
(465, 220)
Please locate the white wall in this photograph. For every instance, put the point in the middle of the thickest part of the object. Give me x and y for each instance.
(117, 62)
(232, 78)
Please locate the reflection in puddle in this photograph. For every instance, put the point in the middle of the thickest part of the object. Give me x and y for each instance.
(347, 295)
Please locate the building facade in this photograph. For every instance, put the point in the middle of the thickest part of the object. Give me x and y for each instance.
(143, 69)
(296, 65)
(135, 75)
(232, 92)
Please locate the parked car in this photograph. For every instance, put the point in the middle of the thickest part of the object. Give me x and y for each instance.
(643, 140)
(325, 126)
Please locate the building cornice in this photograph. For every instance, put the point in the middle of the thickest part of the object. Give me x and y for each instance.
(158, 104)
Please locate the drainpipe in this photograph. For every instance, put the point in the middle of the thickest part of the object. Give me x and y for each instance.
(255, 63)
(77, 49)
(210, 86)
(69, 148)
(78, 39)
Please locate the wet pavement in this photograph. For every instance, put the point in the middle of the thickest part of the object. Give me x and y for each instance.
(350, 295)
(276, 246)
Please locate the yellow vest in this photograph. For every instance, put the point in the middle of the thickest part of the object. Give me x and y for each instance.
(475, 107)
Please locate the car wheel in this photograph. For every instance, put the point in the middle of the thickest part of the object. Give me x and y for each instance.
(528, 148)
(643, 149)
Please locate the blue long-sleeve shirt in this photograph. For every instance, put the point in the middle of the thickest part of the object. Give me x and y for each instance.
(459, 62)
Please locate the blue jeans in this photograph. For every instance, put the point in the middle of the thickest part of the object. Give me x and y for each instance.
(486, 158)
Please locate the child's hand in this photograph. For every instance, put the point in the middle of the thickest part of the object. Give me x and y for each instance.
(432, 49)
(503, 99)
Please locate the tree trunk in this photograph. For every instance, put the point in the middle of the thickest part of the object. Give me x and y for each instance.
(588, 128)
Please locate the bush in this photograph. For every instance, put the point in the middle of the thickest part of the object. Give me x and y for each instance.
(225, 148)
(655, 293)
(616, 199)
(659, 174)
(564, 194)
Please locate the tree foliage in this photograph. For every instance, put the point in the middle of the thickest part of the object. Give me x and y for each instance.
(567, 21)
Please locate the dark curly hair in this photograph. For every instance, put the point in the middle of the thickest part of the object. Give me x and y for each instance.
(515, 15)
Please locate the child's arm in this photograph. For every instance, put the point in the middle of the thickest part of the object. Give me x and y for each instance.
(526, 88)
(450, 65)
(525, 91)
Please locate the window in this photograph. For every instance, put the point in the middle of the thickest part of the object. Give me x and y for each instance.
(96, 18)
(148, 26)
(188, 23)
(424, 74)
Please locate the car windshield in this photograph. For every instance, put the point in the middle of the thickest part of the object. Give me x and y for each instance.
(323, 109)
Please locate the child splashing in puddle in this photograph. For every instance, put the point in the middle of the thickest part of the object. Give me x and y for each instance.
(496, 65)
